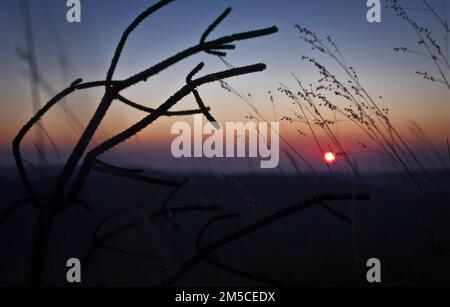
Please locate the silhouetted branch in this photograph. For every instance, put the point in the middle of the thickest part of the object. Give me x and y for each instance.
(247, 230)
(127, 33)
(118, 168)
(169, 198)
(120, 172)
(150, 110)
(172, 194)
(144, 75)
(210, 29)
(59, 199)
(247, 275)
(101, 239)
(92, 155)
(227, 268)
(76, 85)
(15, 206)
(128, 253)
(198, 99)
(336, 213)
(214, 25)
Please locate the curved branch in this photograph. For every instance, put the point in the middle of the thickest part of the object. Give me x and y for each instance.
(215, 44)
(128, 253)
(16, 205)
(208, 225)
(76, 85)
(143, 108)
(247, 230)
(127, 33)
(117, 139)
(58, 201)
(118, 168)
(110, 93)
(172, 194)
(100, 240)
(244, 274)
(214, 24)
(224, 267)
(169, 198)
(198, 99)
(121, 172)
(336, 213)
(171, 102)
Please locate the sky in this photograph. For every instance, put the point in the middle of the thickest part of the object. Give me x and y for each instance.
(88, 47)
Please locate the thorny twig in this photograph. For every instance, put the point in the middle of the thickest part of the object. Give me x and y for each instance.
(247, 230)
(100, 239)
(59, 199)
(227, 268)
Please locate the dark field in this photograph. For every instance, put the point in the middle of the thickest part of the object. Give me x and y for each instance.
(405, 228)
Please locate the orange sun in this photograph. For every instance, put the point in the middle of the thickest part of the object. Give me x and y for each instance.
(330, 157)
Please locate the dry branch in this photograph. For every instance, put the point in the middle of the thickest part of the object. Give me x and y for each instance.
(59, 198)
(227, 268)
(247, 230)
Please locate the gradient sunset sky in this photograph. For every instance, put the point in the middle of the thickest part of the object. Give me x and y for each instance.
(89, 45)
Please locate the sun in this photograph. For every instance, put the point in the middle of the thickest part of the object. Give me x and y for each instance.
(330, 157)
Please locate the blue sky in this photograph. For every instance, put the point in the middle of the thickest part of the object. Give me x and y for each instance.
(88, 47)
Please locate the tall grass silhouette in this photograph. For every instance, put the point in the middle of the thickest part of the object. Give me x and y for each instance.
(318, 108)
(435, 49)
(347, 97)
